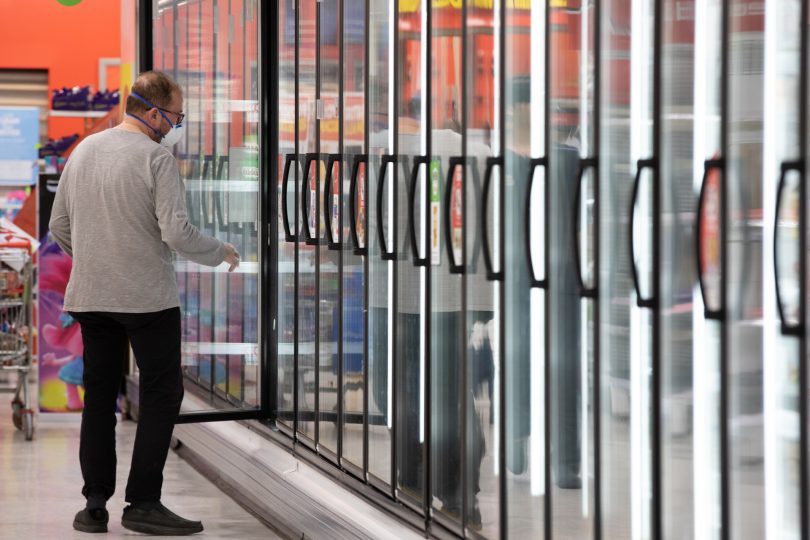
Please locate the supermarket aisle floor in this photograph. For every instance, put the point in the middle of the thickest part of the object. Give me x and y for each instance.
(40, 484)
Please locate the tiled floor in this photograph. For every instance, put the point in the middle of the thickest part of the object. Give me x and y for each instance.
(40, 485)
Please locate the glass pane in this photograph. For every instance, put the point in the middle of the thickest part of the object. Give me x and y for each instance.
(220, 346)
(446, 322)
(380, 272)
(482, 389)
(287, 250)
(410, 286)
(307, 254)
(745, 285)
(625, 330)
(353, 70)
(328, 260)
(705, 435)
(680, 171)
(780, 360)
(572, 88)
(525, 342)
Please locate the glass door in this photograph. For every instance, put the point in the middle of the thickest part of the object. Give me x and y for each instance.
(690, 348)
(527, 478)
(784, 236)
(382, 180)
(411, 200)
(693, 154)
(627, 172)
(746, 255)
(308, 312)
(352, 234)
(573, 259)
(477, 216)
(323, 213)
(288, 165)
(444, 96)
(219, 163)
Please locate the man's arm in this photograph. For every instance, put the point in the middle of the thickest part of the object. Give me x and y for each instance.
(60, 218)
(172, 215)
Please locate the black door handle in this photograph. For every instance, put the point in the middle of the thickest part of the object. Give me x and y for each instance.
(708, 166)
(221, 167)
(386, 255)
(218, 214)
(308, 238)
(456, 161)
(219, 217)
(492, 274)
(331, 243)
(534, 282)
(358, 249)
(584, 165)
(207, 162)
(788, 328)
(640, 300)
(417, 161)
(285, 217)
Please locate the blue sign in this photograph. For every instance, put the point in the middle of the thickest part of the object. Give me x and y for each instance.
(19, 137)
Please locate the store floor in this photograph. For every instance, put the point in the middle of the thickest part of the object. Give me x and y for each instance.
(41, 484)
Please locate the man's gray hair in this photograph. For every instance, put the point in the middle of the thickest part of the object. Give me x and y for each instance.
(155, 87)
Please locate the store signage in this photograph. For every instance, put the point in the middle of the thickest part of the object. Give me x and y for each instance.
(19, 137)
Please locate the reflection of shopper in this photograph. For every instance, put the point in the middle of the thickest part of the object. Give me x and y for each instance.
(119, 212)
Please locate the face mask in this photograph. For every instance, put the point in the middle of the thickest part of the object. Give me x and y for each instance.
(170, 138)
(174, 136)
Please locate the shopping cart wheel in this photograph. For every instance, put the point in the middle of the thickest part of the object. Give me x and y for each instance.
(28, 424)
(16, 413)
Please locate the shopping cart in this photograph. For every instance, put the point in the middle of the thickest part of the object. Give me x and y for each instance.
(16, 278)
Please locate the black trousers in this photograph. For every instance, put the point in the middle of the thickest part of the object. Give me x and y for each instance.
(155, 340)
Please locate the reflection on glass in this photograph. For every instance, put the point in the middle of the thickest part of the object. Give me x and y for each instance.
(780, 184)
(745, 285)
(623, 496)
(353, 331)
(446, 319)
(482, 389)
(287, 247)
(220, 167)
(410, 301)
(572, 90)
(690, 101)
(525, 357)
(308, 308)
(327, 260)
(380, 272)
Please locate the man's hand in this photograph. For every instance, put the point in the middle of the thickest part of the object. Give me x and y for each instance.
(231, 257)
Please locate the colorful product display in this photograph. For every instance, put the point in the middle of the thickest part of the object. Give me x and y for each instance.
(82, 98)
(60, 339)
(57, 147)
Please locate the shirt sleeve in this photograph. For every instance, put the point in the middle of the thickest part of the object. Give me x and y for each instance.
(60, 217)
(170, 208)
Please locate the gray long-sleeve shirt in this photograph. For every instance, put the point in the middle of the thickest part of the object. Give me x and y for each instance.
(120, 210)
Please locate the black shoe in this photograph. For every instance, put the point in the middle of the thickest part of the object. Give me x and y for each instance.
(154, 518)
(91, 521)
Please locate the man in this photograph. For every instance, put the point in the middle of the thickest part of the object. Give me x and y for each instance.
(119, 212)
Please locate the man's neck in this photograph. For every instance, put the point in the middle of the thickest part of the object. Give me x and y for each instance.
(130, 124)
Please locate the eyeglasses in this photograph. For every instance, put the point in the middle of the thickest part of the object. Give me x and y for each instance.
(179, 115)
